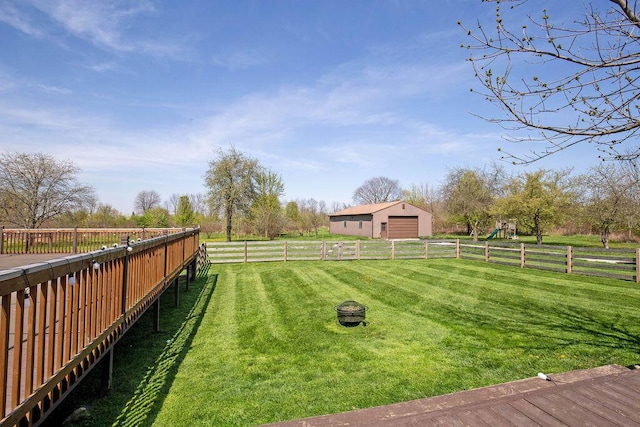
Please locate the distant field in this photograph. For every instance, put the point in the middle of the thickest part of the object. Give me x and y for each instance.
(269, 347)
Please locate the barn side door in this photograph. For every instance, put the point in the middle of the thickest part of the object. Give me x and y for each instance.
(383, 230)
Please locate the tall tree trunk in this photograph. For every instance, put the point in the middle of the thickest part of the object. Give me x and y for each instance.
(229, 224)
(604, 235)
(536, 222)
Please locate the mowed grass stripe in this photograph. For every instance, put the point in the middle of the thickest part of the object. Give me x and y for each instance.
(527, 307)
(270, 348)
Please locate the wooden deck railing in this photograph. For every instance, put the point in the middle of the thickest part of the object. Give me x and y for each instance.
(60, 318)
(71, 240)
(611, 263)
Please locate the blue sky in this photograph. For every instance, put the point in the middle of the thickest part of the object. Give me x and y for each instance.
(140, 94)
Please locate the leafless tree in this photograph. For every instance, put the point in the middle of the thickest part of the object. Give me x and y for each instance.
(337, 206)
(423, 196)
(171, 204)
(377, 190)
(609, 191)
(571, 82)
(146, 200)
(312, 215)
(199, 202)
(36, 187)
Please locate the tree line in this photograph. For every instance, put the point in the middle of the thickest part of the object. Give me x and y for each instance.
(244, 198)
(604, 200)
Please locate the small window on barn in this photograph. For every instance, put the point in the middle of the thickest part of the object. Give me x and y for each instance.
(360, 225)
(345, 224)
(403, 206)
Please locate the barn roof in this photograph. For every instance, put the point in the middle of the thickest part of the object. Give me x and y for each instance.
(366, 209)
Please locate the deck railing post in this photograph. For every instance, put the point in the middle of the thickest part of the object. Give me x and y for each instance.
(125, 272)
(166, 255)
(2, 240)
(75, 240)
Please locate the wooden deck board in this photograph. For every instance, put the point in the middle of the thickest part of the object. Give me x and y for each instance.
(536, 414)
(604, 396)
(597, 407)
(611, 404)
(513, 415)
(491, 417)
(568, 412)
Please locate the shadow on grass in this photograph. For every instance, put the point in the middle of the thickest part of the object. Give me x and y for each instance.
(144, 364)
(153, 388)
(552, 327)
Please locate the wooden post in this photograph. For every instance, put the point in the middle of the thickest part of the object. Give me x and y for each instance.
(191, 274)
(458, 248)
(569, 259)
(522, 253)
(245, 251)
(125, 268)
(358, 249)
(426, 249)
(166, 256)
(156, 315)
(393, 249)
(323, 251)
(638, 265)
(176, 291)
(106, 368)
(2, 240)
(75, 240)
(285, 251)
(486, 251)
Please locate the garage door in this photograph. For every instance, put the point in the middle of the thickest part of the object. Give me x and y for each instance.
(402, 227)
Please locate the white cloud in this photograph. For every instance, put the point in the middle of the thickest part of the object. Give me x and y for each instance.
(9, 14)
(108, 24)
(101, 22)
(54, 90)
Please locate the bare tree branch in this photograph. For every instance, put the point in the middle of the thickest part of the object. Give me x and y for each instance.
(570, 83)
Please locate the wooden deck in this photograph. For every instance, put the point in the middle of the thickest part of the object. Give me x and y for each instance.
(604, 396)
(8, 262)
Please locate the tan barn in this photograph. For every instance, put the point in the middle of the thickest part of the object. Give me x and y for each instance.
(391, 220)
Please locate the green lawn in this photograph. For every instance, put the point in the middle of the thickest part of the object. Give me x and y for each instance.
(265, 345)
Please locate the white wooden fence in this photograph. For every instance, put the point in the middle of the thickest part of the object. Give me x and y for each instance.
(611, 263)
